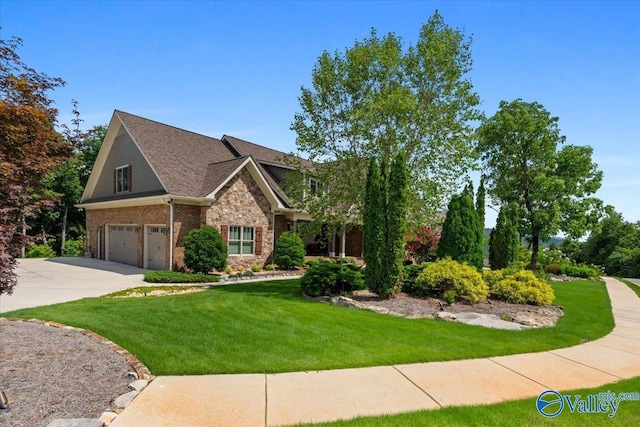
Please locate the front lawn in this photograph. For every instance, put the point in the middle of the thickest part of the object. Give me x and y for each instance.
(268, 327)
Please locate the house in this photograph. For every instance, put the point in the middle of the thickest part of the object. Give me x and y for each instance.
(153, 183)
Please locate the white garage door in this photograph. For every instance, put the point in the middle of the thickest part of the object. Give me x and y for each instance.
(123, 244)
(156, 247)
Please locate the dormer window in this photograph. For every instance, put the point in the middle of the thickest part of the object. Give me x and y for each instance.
(122, 179)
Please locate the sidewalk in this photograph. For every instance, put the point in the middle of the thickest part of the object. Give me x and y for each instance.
(289, 398)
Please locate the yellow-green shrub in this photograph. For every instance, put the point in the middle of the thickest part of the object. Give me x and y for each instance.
(446, 275)
(491, 277)
(523, 287)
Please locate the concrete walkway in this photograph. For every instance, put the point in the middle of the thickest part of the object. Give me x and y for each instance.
(289, 398)
(56, 280)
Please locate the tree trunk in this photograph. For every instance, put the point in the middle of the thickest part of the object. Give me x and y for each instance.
(63, 237)
(535, 245)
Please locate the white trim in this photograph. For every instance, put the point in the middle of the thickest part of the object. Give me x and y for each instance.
(145, 201)
(251, 166)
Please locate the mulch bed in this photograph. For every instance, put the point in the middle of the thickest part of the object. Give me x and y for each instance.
(50, 372)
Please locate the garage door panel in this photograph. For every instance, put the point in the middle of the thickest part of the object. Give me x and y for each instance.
(156, 248)
(123, 244)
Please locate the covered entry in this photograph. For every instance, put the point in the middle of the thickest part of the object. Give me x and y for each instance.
(155, 247)
(122, 243)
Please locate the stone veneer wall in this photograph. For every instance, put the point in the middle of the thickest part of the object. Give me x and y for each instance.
(241, 202)
(138, 216)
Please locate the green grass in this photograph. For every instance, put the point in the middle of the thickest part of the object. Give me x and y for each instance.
(520, 412)
(268, 327)
(635, 288)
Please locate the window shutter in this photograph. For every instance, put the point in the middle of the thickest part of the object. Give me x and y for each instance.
(224, 230)
(114, 181)
(258, 240)
(130, 176)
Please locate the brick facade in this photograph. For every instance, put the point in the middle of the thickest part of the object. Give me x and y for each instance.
(242, 203)
(139, 216)
(185, 219)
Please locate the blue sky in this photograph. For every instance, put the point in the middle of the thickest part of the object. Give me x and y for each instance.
(237, 67)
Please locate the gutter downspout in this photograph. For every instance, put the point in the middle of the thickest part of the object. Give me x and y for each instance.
(170, 203)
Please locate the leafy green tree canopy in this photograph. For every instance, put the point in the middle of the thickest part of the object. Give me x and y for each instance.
(381, 97)
(550, 188)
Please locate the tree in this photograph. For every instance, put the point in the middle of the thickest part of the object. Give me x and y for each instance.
(549, 189)
(205, 250)
(379, 98)
(373, 225)
(289, 251)
(66, 183)
(504, 241)
(396, 224)
(30, 149)
(481, 203)
(461, 237)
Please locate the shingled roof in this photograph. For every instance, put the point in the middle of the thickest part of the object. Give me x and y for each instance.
(192, 165)
(262, 154)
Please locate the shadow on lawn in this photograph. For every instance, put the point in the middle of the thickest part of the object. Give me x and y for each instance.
(283, 289)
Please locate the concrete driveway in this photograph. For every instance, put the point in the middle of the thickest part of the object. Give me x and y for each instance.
(56, 280)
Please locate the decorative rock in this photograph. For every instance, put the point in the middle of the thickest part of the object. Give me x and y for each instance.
(379, 310)
(133, 374)
(488, 320)
(107, 417)
(76, 422)
(139, 385)
(445, 315)
(346, 302)
(124, 399)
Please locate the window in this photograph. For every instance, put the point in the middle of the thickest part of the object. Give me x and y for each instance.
(316, 187)
(123, 179)
(241, 240)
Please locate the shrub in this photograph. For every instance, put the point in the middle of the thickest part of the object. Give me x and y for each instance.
(449, 296)
(409, 274)
(228, 270)
(583, 271)
(553, 268)
(256, 268)
(248, 273)
(289, 252)
(446, 274)
(73, 248)
(164, 276)
(40, 251)
(491, 277)
(270, 267)
(205, 250)
(523, 287)
(331, 278)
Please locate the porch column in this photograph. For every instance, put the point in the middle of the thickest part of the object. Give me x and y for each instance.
(343, 242)
(332, 245)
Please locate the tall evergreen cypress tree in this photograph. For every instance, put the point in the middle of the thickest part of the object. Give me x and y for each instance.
(480, 202)
(396, 222)
(504, 240)
(461, 237)
(373, 227)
